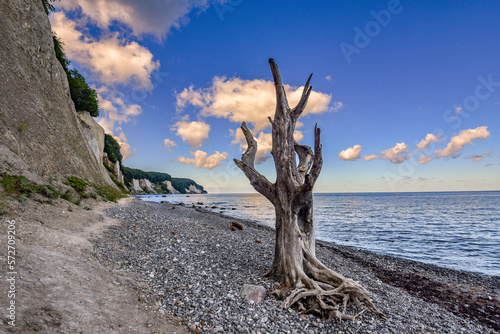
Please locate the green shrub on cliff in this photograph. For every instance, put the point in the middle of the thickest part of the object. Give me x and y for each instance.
(58, 48)
(47, 6)
(20, 185)
(112, 148)
(77, 183)
(84, 97)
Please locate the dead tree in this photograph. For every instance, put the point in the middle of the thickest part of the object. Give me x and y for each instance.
(305, 282)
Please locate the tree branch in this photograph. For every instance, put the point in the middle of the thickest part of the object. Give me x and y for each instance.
(260, 183)
(248, 157)
(301, 106)
(281, 100)
(305, 154)
(313, 174)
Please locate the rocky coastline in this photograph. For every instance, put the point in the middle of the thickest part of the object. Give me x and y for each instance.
(191, 265)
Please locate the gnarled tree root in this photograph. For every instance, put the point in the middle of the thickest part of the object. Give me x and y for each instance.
(320, 291)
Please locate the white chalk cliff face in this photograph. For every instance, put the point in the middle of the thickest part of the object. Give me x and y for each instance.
(38, 122)
(147, 186)
(170, 188)
(193, 190)
(94, 134)
(136, 187)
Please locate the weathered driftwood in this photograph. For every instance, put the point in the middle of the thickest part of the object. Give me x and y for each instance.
(305, 282)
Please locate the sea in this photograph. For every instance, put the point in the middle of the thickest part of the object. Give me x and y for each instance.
(458, 230)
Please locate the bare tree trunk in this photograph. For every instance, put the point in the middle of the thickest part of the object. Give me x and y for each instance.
(304, 281)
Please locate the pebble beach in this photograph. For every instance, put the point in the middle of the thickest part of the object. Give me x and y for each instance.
(191, 265)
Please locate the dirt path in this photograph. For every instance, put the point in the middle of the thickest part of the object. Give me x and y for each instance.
(59, 286)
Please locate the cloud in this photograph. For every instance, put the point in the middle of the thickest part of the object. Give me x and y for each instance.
(121, 139)
(352, 153)
(201, 160)
(488, 165)
(422, 179)
(464, 137)
(141, 17)
(113, 111)
(194, 133)
(479, 157)
(328, 78)
(370, 157)
(110, 59)
(252, 101)
(429, 138)
(168, 144)
(458, 111)
(396, 154)
(423, 159)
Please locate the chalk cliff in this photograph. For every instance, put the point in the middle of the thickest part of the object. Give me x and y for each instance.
(38, 122)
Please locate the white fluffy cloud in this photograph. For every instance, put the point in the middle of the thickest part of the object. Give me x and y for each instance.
(202, 160)
(155, 17)
(429, 138)
(464, 137)
(110, 59)
(396, 154)
(112, 113)
(168, 144)
(423, 159)
(125, 148)
(370, 157)
(252, 101)
(352, 153)
(194, 133)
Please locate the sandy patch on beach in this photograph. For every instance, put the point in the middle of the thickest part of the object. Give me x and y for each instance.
(59, 285)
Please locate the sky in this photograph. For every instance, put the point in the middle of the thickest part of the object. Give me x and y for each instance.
(406, 93)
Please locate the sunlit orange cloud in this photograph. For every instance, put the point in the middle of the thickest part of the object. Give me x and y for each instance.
(252, 101)
(110, 59)
(142, 17)
(193, 133)
(370, 157)
(351, 153)
(202, 160)
(168, 144)
(396, 154)
(464, 137)
(429, 138)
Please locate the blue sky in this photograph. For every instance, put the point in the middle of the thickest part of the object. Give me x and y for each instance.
(407, 93)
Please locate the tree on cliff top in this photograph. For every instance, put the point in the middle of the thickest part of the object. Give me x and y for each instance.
(47, 6)
(112, 148)
(305, 282)
(84, 97)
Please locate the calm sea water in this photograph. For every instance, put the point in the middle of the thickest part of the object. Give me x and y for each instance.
(459, 230)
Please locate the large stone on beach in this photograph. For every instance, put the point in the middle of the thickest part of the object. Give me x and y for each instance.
(253, 292)
(236, 226)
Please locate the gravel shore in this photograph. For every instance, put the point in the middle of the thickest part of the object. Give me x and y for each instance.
(189, 263)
